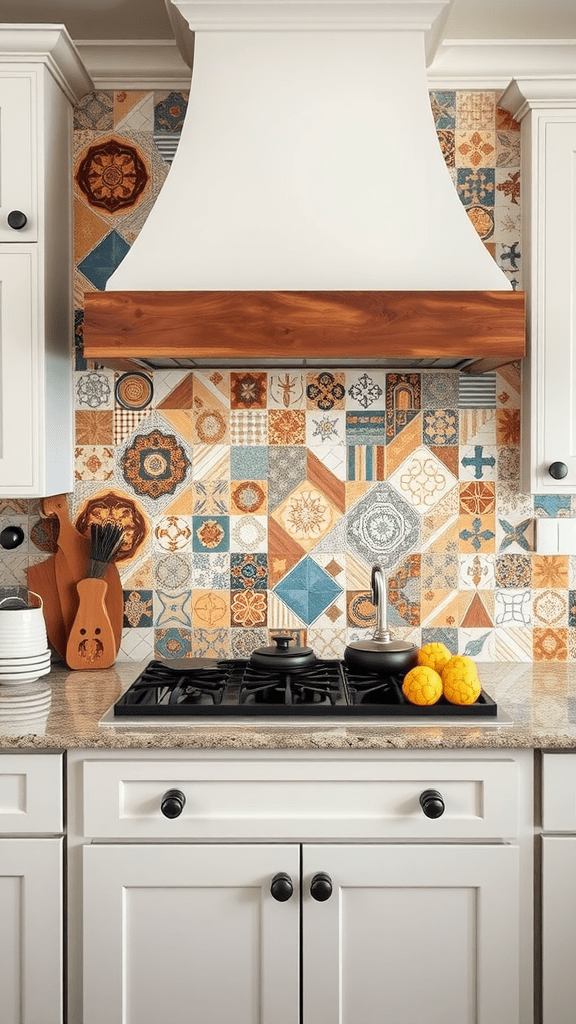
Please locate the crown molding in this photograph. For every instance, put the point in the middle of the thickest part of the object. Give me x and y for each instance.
(49, 45)
(458, 64)
(493, 63)
(134, 64)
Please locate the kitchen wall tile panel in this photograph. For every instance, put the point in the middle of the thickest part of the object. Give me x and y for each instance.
(256, 500)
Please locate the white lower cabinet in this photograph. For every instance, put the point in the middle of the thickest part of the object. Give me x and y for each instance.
(31, 889)
(559, 889)
(389, 916)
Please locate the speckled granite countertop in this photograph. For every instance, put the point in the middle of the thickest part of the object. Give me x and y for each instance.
(540, 699)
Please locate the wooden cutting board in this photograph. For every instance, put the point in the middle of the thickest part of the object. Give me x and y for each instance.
(71, 565)
(42, 580)
(91, 641)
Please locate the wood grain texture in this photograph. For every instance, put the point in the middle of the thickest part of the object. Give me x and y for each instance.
(42, 580)
(345, 325)
(91, 642)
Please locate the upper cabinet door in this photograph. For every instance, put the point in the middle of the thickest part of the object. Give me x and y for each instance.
(18, 159)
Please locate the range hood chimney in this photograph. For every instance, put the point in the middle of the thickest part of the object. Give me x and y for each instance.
(308, 211)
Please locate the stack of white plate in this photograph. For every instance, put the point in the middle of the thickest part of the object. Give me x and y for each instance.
(24, 670)
(24, 709)
(24, 651)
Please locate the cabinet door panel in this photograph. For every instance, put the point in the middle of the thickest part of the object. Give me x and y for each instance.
(412, 934)
(189, 934)
(558, 929)
(21, 398)
(17, 155)
(31, 899)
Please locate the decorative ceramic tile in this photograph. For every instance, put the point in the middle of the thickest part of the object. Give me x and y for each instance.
(550, 571)
(446, 636)
(173, 609)
(513, 644)
(173, 533)
(154, 465)
(306, 515)
(211, 643)
(404, 593)
(281, 618)
(114, 507)
(508, 462)
(211, 571)
(89, 230)
(210, 533)
(210, 426)
(112, 175)
(138, 608)
(478, 644)
(286, 426)
(475, 109)
(170, 111)
(248, 497)
(287, 390)
(513, 608)
(173, 389)
(440, 426)
(422, 480)
(211, 497)
(211, 609)
(366, 390)
(133, 109)
(478, 462)
(172, 643)
(325, 429)
(327, 642)
(550, 608)
(443, 105)
(172, 571)
(211, 463)
(134, 390)
(507, 187)
(93, 462)
(365, 462)
(287, 469)
(515, 536)
(308, 590)
(513, 571)
(244, 641)
(439, 569)
(248, 390)
(249, 463)
(440, 390)
(360, 610)
(550, 644)
(508, 149)
(94, 111)
(475, 148)
(477, 533)
(249, 427)
(477, 609)
(249, 608)
(383, 528)
(101, 263)
(95, 427)
(248, 533)
(248, 572)
(476, 186)
(364, 428)
(447, 141)
(94, 390)
(325, 390)
(508, 426)
(477, 497)
(512, 501)
(553, 505)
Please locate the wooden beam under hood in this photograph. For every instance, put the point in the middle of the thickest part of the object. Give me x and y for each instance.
(207, 327)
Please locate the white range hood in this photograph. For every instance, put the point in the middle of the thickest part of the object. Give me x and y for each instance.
(308, 165)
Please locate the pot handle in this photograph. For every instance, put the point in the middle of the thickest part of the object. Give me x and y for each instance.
(380, 602)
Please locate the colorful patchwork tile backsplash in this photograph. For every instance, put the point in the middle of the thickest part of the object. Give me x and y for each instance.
(258, 500)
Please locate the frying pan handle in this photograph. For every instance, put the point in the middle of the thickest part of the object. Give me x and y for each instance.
(380, 602)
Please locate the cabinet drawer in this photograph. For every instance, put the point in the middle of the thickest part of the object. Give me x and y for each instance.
(300, 799)
(30, 793)
(559, 792)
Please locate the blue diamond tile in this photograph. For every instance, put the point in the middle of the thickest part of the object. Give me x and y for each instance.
(101, 263)
(308, 590)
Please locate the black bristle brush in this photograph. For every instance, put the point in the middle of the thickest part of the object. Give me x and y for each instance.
(91, 641)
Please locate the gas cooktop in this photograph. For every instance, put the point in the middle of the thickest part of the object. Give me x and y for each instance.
(192, 689)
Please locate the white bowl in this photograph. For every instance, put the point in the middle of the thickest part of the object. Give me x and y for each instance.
(23, 649)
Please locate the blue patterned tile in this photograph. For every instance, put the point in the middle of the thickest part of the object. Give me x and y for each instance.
(443, 105)
(476, 186)
(248, 571)
(137, 608)
(441, 635)
(552, 504)
(308, 590)
(248, 462)
(169, 113)
(366, 427)
(101, 263)
(210, 533)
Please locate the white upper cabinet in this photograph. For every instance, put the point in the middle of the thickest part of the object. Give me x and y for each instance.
(547, 111)
(41, 77)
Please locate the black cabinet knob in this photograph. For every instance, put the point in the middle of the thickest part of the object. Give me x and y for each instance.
(11, 537)
(172, 803)
(558, 470)
(17, 219)
(432, 803)
(321, 887)
(281, 887)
